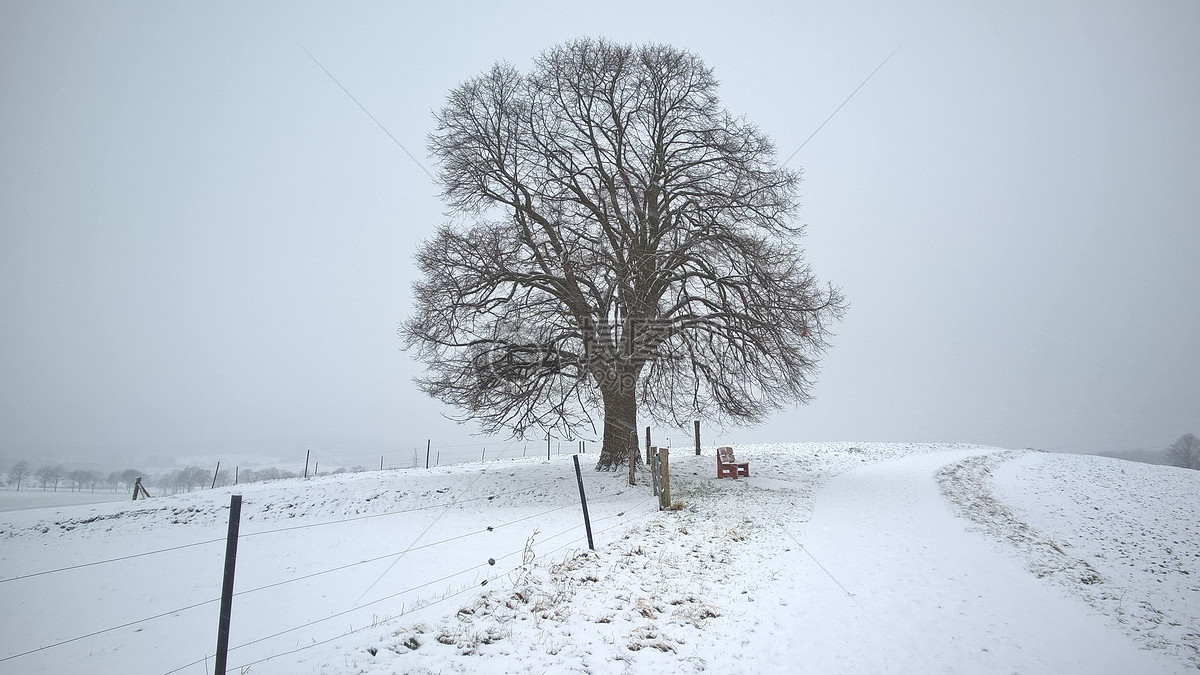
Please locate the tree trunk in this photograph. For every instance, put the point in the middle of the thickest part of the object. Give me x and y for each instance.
(620, 417)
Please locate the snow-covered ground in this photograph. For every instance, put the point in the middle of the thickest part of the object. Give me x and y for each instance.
(1122, 536)
(37, 498)
(831, 557)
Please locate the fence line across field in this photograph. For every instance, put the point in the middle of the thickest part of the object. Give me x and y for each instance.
(465, 589)
(413, 547)
(304, 577)
(245, 535)
(462, 591)
(188, 478)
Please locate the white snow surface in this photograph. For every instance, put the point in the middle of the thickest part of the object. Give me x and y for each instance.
(829, 558)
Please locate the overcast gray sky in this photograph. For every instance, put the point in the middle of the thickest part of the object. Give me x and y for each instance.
(205, 245)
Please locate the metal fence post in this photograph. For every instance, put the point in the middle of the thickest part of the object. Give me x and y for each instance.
(587, 522)
(235, 517)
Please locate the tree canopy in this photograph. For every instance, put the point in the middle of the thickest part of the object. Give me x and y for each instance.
(619, 241)
(1185, 452)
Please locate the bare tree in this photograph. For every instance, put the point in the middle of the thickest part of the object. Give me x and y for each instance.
(18, 473)
(92, 478)
(129, 476)
(51, 474)
(624, 241)
(1185, 452)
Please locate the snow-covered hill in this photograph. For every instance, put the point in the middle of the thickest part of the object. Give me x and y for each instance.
(831, 557)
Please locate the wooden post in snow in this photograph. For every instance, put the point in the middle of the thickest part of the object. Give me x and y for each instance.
(633, 455)
(664, 478)
(652, 460)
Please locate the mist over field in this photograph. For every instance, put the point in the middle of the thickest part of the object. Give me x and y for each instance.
(206, 245)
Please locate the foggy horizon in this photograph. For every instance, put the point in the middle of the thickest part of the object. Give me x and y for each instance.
(206, 245)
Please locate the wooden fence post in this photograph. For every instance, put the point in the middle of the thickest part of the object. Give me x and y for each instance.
(215, 472)
(633, 455)
(664, 478)
(428, 441)
(697, 438)
(652, 461)
(306, 455)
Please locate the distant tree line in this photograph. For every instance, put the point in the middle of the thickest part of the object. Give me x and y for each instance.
(56, 476)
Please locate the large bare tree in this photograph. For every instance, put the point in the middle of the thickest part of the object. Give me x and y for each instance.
(620, 241)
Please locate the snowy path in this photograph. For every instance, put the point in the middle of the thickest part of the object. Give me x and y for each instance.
(928, 594)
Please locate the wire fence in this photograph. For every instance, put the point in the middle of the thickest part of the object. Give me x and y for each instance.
(488, 518)
(324, 461)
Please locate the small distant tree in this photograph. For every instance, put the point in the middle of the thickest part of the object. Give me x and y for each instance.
(18, 473)
(92, 479)
(77, 478)
(51, 475)
(177, 480)
(129, 476)
(198, 477)
(1185, 452)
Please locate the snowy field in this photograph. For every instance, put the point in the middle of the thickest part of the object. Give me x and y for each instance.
(36, 498)
(908, 558)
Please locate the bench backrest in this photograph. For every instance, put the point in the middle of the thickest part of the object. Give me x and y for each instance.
(725, 455)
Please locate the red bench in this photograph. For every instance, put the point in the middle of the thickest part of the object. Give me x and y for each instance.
(727, 465)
